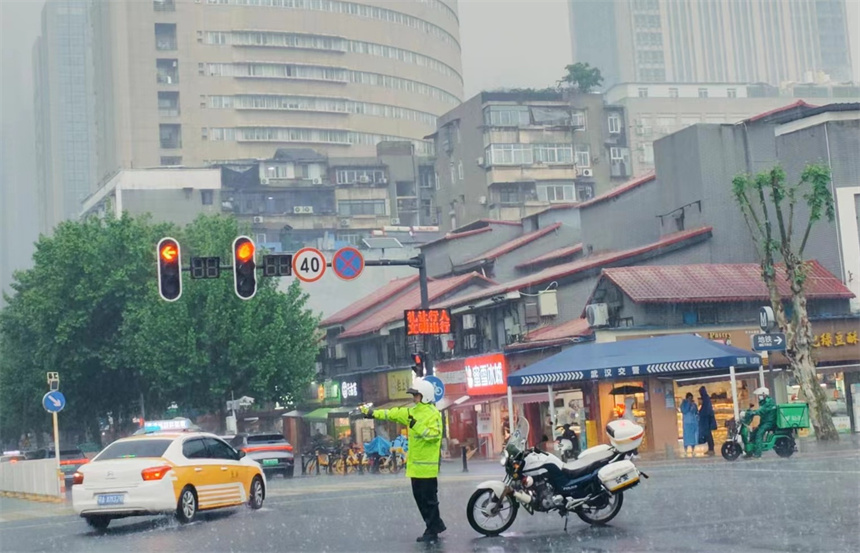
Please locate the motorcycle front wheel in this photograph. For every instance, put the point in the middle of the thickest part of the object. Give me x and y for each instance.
(731, 451)
(483, 520)
(600, 514)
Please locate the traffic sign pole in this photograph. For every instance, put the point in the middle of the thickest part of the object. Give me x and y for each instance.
(57, 445)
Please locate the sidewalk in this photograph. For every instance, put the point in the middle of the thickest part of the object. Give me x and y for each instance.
(12, 509)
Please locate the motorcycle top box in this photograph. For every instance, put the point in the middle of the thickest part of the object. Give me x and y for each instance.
(625, 435)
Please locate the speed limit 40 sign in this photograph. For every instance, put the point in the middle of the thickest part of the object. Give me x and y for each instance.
(309, 264)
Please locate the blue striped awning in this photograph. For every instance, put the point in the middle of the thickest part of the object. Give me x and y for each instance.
(660, 355)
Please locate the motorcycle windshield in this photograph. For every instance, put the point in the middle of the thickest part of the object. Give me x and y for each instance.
(519, 438)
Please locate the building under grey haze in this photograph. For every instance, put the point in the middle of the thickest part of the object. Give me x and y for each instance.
(691, 41)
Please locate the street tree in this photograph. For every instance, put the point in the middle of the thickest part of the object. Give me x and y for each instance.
(771, 209)
(582, 77)
(209, 345)
(65, 315)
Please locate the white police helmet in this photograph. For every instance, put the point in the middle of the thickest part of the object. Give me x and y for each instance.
(426, 389)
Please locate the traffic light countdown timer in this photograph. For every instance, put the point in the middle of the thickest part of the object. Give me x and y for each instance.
(169, 269)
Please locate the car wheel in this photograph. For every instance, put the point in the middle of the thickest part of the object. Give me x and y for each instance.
(258, 493)
(186, 509)
(288, 472)
(98, 522)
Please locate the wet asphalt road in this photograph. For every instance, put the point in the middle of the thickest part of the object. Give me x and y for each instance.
(806, 503)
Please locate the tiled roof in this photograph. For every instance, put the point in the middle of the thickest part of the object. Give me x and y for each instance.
(517, 242)
(411, 299)
(797, 104)
(456, 235)
(394, 287)
(617, 191)
(567, 269)
(550, 256)
(559, 334)
(716, 283)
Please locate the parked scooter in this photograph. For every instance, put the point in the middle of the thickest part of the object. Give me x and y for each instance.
(567, 443)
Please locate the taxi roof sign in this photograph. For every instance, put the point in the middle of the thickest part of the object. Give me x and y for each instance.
(172, 425)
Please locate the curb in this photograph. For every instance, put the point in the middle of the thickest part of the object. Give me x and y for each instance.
(34, 497)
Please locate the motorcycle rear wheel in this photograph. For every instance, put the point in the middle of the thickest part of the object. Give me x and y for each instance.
(482, 501)
(597, 517)
(784, 447)
(731, 451)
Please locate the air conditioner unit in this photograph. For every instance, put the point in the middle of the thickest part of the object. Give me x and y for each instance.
(258, 219)
(264, 181)
(597, 315)
(482, 200)
(302, 209)
(395, 221)
(384, 180)
(434, 221)
(344, 223)
(364, 179)
(317, 180)
(587, 173)
(480, 161)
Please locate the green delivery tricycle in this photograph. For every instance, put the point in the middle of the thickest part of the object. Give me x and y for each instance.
(789, 418)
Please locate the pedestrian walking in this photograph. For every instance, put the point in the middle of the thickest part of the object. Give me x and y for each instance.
(425, 441)
(690, 418)
(707, 420)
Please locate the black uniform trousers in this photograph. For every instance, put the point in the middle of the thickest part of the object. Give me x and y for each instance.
(425, 492)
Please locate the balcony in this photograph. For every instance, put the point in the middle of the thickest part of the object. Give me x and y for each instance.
(170, 136)
(168, 104)
(164, 5)
(407, 204)
(165, 36)
(282, 182)
(167, 71)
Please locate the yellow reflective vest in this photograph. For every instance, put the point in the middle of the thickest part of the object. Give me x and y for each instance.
(424, 422)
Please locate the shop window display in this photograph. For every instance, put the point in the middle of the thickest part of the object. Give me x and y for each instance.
(721, 398)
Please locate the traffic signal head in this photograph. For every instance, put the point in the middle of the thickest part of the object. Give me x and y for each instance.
(169, 269)
(418, 364)
(244, 268)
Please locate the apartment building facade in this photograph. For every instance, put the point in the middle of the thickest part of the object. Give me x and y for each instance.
(506, 155)
(688, 41)
(657, 110)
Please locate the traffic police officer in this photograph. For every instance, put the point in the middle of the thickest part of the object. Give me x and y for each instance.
(425, 440)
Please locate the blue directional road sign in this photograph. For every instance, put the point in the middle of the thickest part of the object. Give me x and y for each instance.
(53, 402)
(768, 342)
(438, 387)
(348, 263)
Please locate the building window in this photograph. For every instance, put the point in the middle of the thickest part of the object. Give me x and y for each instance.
(460, 169)
(578, 120)
(260, 238)
(732, 92)
(171, 160)
(584, 192)
(616, 154)
(553, 153)
(648, 152)
(583, 155)
(673, 92)
(506, 116)
(206, 197)
(509, 154)
(347, 208)
(361, 176)
(703, 93)
(510, 195)
(614, 123)
(358, 361)
(556, 192)
(643, 92)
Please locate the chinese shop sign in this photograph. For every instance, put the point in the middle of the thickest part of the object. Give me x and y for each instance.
(398, 384)
(486, 375)
(427, 321)
(834, 339)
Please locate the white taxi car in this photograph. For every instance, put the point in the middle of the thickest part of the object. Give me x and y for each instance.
(165, 471)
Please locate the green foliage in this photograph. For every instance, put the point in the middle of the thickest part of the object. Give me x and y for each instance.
(582, 77)
(89, 309)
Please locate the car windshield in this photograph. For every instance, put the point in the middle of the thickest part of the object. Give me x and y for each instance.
(132, 449)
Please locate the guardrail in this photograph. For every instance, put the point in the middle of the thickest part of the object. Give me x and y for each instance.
(37, 479)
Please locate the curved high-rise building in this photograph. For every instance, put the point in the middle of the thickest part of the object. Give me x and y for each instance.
(191, 81)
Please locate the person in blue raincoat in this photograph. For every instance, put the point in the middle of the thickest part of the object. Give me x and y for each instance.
(690, 418)
(707, 420)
